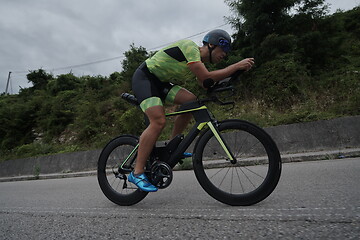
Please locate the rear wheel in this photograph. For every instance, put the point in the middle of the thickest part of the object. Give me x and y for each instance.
(255, 174)
(113, 179)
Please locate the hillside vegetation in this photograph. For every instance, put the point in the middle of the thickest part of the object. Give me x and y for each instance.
(307, 68)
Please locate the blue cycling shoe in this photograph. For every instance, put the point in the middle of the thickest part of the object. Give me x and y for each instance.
(142, 182)
(187, 154)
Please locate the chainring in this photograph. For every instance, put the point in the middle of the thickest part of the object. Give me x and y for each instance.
(161, 174)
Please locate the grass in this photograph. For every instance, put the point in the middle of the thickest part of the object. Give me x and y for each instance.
(37, 170)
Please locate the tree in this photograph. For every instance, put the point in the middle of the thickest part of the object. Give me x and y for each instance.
(16, 122)
(133, 58)
(63, 82)
(313, 8)
(256, 19)
(39, 78)
(267, 29)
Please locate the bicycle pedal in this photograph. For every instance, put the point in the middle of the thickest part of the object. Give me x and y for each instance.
(187, 154)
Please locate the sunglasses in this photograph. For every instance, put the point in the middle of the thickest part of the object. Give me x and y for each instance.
(225, 45)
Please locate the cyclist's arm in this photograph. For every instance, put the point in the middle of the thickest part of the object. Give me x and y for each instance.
(202, 73)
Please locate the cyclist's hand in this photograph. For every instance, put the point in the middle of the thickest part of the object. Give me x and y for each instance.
(246, 64)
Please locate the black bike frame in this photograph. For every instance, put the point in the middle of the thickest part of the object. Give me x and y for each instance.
(203, 117)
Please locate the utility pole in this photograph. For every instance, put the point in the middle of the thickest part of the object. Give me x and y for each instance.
(7, 84)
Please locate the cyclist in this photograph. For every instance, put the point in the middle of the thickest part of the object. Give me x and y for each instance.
(151, 85)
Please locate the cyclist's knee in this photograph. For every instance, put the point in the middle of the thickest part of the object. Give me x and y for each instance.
(158, 123)
(156, 117)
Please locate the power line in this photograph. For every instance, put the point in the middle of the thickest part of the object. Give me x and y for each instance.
(120, 57)
(86, 64)
(192, 36)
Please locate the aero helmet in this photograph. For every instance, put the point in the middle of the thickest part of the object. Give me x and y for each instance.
(218, 37)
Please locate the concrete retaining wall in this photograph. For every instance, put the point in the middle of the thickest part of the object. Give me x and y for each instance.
(333, 134)
(59, 163)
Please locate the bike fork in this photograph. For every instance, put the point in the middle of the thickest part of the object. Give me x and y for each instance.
(222, 142)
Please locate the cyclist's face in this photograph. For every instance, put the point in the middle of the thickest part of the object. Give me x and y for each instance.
(218, 54)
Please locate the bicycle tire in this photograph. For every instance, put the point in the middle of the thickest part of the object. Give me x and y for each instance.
(108, 175)
(257, 171)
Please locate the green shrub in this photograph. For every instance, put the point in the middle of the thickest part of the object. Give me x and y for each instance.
(279, 83)
(131, 121)
(34, 149)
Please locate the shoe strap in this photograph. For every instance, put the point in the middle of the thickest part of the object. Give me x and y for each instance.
(141, 179)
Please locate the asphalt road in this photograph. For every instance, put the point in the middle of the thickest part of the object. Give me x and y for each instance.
(314, 200)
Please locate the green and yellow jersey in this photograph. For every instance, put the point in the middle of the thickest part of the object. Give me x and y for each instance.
(170, 63)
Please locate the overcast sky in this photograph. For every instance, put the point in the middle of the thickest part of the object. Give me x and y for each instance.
(57, 36)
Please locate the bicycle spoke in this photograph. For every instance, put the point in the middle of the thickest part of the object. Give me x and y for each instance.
(247, 178)
(117, 186)
(224, 177)
(237, 152)
(115, 160)
(242, 187)
(216, 173)
(231, 182)
(113, 181)
(254, 173)
(252, 162)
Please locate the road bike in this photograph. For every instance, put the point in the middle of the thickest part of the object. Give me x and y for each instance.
(235, 161)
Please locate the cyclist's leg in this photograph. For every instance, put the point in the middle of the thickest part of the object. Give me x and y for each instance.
(150, 135)
(149, 96)
(182, 96)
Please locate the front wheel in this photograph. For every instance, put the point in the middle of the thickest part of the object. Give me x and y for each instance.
(256, 172)
(112, 176)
